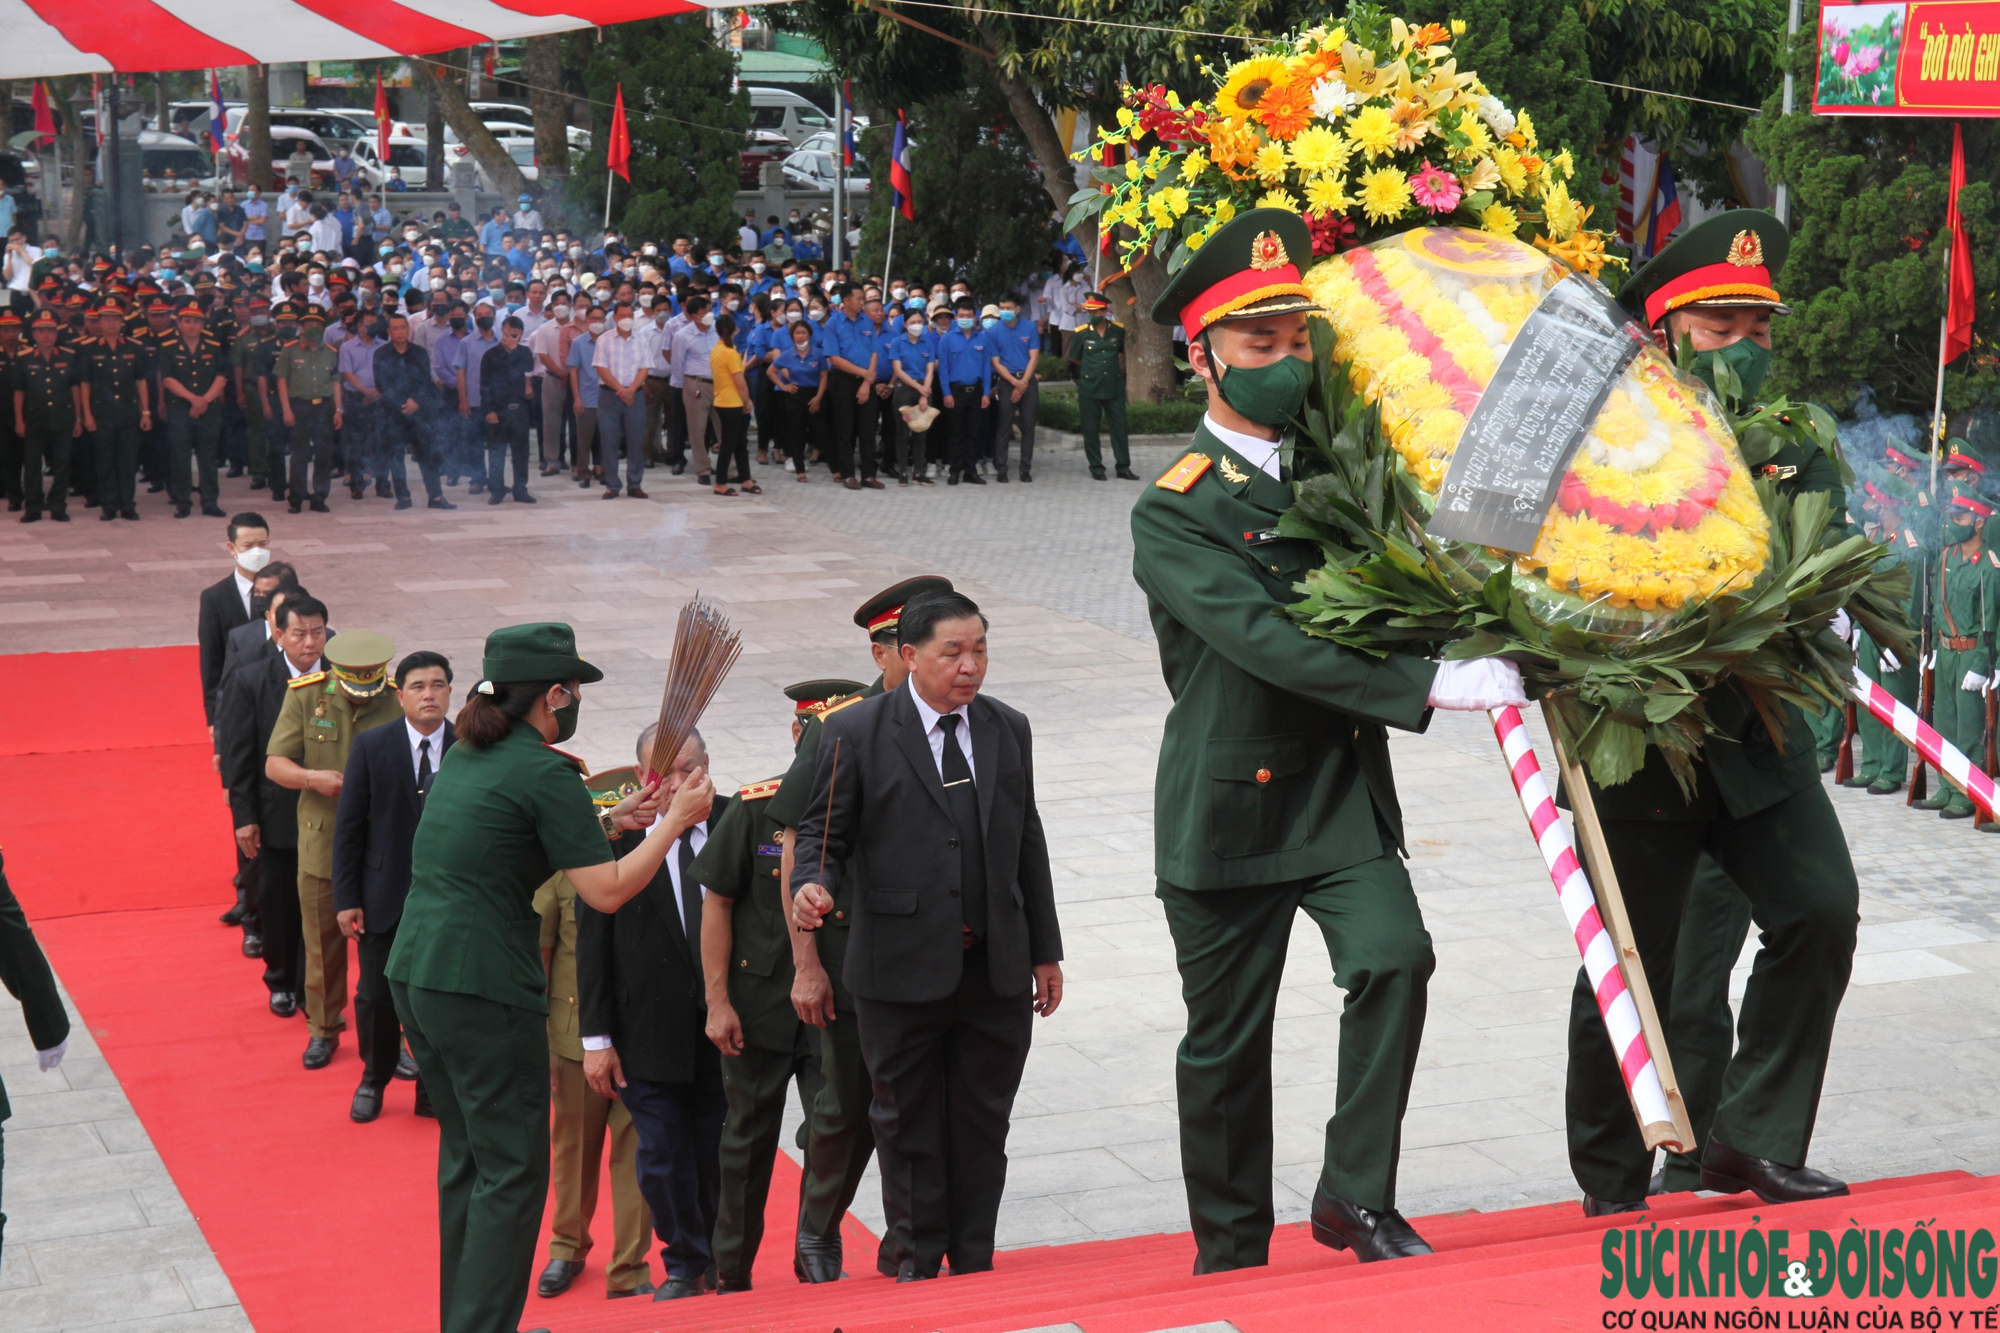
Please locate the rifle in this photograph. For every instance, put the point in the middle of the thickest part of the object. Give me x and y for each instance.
(1843, 768)
(1992, 741)
(1919, 775)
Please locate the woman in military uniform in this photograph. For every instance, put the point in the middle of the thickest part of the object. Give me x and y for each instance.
(507, 811)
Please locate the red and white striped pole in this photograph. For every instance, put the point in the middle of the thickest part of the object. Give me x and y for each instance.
(1593, 941)
(1914, 732)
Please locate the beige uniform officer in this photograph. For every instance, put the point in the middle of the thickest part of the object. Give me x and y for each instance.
(322, 714)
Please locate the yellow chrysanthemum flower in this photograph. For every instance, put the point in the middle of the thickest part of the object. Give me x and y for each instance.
(1247, 83)
(1385, 194)
(1458, 27)
(1279, 199)
(1500, 220)
(1564, 164)
(1372, 129)
(1319, 151)
(1328, 194)
(1524, 127)
(1513, 176)
(1270, 163)
(1560, 213)
(1479, 138)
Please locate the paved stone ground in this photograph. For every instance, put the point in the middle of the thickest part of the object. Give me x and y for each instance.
(1916, 1065)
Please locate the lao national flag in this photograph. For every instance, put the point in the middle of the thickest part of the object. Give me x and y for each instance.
(899, 171)
(218, 115)
(846, 125)
(1664, 215)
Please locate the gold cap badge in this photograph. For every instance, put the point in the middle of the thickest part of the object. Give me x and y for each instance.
(1267, 251)
(1747, 250)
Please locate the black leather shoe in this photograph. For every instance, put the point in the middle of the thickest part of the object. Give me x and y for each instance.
(1127, 474)
(284, 1004)
(816, 1258)
(233, 917)
(729, 1286)
(319, 1051)
(214, 511)
(320, 507)
(367, 1104)
(1027, 476)
(907, 1271)
(406, 1067)
(1726, 1171)
(643, 1289)
(439, 502)
(405, 502)
(423, 1106)
(1610, 1207)
(1371, 1235)
(680, 1288)
(129, 514)
(555, 1279)
(253, 946)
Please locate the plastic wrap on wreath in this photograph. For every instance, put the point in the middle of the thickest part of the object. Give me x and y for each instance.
(1539, 421)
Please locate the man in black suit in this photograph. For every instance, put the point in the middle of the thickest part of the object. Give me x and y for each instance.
(389, 772)
(265, 814)
(225, 605)
(644, 1014)
(258, 639)
(953, 945)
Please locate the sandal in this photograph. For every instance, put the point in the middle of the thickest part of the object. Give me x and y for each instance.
(752, 488)
(800, 476)
(704, 478)
(725, 490)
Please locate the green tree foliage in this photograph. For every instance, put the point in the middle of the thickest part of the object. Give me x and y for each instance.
(687, 127)
(1534, 54)
(1865, 276)
(1722, 51)
(981, 213)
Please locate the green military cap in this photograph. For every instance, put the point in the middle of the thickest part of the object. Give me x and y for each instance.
(880, 613)
(542, 651)
(811, 697)
(313, 315)
(360, 661)
(613, 785)
(1962, 457)
(1249, 267)
(1729, 260)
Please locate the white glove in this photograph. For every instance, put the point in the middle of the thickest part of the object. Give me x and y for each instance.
(52, 1057)
(1974, 683)
(1843, 628)
(1477, 685)
(1890, 663)
(1930, 661)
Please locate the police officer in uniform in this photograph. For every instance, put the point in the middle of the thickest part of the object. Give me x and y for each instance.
(192, 378)
(304, 372)
(841, 1140)
(47, 401)
(154, 332)
(1968, 613)
(1891, 506)
(1758, 840)
(322, 714)
(747, 964)
(1274, 793)
(117, 409)
(250, 355)
(1097, 351)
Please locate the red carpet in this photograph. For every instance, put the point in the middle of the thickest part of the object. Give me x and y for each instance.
(117, 839)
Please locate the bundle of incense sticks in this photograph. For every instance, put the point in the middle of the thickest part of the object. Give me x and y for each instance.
(704, 650)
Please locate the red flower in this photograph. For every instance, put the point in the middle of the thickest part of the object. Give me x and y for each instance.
(1331, 232)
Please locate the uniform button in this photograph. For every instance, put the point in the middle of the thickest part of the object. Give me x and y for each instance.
(1263, 775)
(1274, 569)
(951, 842)
(743, 962)
(840, 916)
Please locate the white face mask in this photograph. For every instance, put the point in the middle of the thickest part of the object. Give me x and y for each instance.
(899, 292)
(567, 271)
(645, 298)
(649, 250)
(254, 559)
(732, 304)
(562, 314)
(596, 327)
(316, 280)
(715, 261)
(757, 266)
(793, 316)
(625, 325)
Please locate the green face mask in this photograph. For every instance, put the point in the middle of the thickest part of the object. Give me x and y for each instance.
(1746, 359)
(1268, 395)
(1955, 533)
(566, 719)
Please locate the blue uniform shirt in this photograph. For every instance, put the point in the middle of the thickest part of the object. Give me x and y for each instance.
(792, 368)
(854, 339)
(1012, 345)
(913, 357)
(967, 358)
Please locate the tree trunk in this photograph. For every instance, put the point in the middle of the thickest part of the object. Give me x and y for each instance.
(551, 108)
(73, 139)
(255, 135)
(501, 174)
(433, 142)
(161, 111)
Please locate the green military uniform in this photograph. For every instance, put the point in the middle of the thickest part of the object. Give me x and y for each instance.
(1760, 814)
(195, 369)
(1098, 351)
(322, 714)
(308, 368)
(1883, 761)
(580, 1120)
(250, 357)
(45, 391)
(469, 985)
(1967, 615)
(739, 864)
(1274, 794)
(25, 973)
(113, 377)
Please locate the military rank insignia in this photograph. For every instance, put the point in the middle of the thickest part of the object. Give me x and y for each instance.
(1184, 473)
(1231, 473)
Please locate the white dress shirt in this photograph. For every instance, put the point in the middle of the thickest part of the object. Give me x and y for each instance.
(243, 587)
(935, 734)
(1262, 453)
(295, 672)
(417, 739)
(697, 837)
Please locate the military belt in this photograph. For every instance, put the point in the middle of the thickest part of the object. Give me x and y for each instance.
(1959, 643)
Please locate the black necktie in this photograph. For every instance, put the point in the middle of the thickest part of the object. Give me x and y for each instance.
(690, 896)
(963, 794)
(423, 769)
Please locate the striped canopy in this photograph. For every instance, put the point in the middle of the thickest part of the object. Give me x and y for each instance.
(51, 37)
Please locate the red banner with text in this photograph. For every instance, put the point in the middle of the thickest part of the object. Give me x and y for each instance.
(1909, 59)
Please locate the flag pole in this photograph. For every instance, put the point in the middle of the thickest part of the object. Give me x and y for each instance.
(608, 174)
(895, 207)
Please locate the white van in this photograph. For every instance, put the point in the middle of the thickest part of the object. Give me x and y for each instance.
(786, 113)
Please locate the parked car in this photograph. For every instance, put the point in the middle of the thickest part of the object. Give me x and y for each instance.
(494, 115)
(285, 140)
(170, 162)
(763, 146)
(407, 152)
(787, 113)
(816, 171)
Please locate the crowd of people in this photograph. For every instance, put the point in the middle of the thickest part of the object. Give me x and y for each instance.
(315, 343)
(558, 964)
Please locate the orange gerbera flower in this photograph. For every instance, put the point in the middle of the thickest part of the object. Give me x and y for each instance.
(1286, 109)
(1431, 34)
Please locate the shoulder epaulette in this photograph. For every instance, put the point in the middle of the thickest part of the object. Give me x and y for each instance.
(310, 678)
(831, 709)
(582, 769)
(1994, 558)
(1184, 473)
(760, 791)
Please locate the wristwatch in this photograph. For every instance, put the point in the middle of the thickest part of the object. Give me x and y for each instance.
(609, 823)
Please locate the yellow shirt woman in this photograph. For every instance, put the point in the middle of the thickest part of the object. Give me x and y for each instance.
(727, 368)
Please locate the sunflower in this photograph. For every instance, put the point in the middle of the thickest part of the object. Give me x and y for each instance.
(1248, 82)
(1286, 109)
(1385, 194)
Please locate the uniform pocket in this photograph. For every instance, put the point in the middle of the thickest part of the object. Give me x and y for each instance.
(893, 902)
(1258, 792)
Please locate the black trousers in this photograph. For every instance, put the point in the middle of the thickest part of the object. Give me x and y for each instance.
(118, 455)
(508, 435)
(944, 1077)
(402, 436)
(360, 435)
(680, 1163)
(733, 454)
(968, 428)
(277, 872)
(796, 419)
(377, 1029)
(311, 449)
(853, 426)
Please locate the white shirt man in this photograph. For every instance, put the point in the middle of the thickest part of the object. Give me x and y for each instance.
(935, 734)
